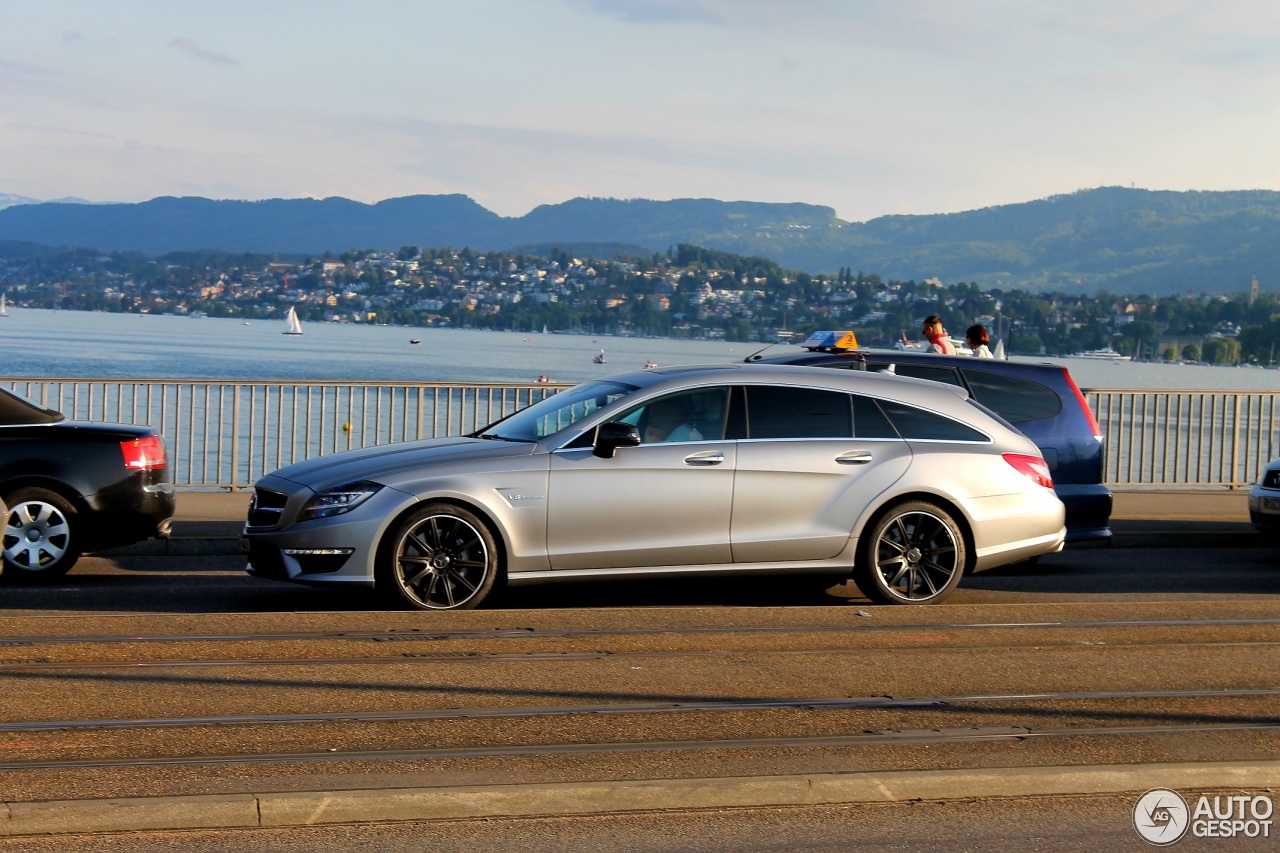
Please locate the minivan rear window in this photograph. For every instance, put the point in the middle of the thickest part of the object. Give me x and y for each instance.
(1014, 398)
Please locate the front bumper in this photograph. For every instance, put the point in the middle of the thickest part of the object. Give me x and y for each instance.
(1264, 509)
(339, 550)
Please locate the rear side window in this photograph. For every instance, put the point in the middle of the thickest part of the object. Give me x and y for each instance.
(921, 425)
(933, 373)
(1012, 397)
(774, 411)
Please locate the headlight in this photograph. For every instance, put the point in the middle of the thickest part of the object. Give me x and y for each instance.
(338, 500)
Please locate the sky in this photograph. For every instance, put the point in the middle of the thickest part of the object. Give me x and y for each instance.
(871, 107)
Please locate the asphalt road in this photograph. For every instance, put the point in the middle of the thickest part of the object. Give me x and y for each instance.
(144, 676)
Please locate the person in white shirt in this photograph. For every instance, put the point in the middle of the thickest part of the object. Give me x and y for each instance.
(978, 339)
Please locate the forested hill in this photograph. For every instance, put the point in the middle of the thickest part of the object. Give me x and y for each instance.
(1123, 240)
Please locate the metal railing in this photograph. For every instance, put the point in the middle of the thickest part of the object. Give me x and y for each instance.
(1187, 438)
(226, 434)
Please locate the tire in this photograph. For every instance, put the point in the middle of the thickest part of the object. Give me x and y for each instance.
(441, 557)
(914, 553)
(42, 536)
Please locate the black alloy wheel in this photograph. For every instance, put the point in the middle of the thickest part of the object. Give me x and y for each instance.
(441, 557)
(913, 554)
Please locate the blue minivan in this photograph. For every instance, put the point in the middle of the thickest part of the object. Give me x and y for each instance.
(1040, 399)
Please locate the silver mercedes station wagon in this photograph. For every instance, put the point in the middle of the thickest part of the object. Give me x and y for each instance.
(901, 484)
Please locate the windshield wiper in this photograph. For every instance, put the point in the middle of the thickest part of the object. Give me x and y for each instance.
(493, 436)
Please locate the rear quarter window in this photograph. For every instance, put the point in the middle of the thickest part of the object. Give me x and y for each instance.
(922, 425)
(1012, 397)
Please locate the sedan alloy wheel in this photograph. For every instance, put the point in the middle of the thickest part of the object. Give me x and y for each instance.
(40, 538)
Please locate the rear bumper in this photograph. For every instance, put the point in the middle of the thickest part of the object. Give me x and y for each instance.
(1088, 511)
(127, 516)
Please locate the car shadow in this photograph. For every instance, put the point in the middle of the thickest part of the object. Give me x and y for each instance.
(138, 584)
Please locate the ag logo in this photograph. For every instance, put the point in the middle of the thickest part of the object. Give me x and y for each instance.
(1160, 816)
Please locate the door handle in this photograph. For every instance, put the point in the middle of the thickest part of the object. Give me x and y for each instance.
(709, 457)
(854, 457)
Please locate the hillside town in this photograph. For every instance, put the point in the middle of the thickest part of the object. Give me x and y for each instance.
(685, 292)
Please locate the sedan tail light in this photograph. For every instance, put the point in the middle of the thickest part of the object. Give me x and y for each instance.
(1033, 467)
(142, 454)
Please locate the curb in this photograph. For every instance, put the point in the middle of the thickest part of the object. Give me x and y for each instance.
(312, 808)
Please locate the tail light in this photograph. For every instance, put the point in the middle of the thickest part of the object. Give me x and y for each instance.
(142, 454)
(1084, 406)
(1032, 467)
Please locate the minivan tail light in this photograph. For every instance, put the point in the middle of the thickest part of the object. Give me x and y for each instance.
(1032, 467)
(1084, 406)
(142, 454)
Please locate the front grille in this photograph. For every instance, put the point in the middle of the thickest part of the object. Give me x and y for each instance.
(266, 507)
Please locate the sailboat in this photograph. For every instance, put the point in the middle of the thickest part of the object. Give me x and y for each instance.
(292, 326)
(4, 305)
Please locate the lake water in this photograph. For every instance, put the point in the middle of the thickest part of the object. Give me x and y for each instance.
(80, 344)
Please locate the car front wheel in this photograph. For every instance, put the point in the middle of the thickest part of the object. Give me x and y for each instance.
(913, 554)
(441, 557)
(41, 536)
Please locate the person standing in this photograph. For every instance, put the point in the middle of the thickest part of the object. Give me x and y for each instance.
(939, 340)
(977, 338)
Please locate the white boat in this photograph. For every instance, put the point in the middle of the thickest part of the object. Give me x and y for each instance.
(4, 305)
(1106, 353)
(291, 324)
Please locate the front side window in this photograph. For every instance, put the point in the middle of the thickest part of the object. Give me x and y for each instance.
(685, 416)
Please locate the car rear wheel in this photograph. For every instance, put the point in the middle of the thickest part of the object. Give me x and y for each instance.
(41, 536)
(441, 557)
(913, 554)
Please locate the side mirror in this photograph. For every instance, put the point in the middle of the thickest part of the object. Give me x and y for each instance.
(611, 436)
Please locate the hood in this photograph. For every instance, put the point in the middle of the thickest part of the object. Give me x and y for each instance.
(384, 462)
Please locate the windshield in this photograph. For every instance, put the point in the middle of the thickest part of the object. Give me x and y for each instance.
(557, 412)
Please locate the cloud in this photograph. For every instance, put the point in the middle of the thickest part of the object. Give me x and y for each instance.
(653, 11)
(194, 50)
(22, 74)
(68, 36)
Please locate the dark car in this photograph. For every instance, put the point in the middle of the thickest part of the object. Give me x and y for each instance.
(1040, 399)
(70, 487)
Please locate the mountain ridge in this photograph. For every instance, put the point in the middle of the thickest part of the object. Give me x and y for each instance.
(1120, 239)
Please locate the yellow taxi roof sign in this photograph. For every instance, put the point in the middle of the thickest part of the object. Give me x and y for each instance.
(831, 341)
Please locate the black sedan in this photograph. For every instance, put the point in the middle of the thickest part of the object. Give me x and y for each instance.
(69, 487)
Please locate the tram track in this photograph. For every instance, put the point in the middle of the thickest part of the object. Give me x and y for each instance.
(863, 739)
(415, 634)
(477, 657)
(685, 706)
